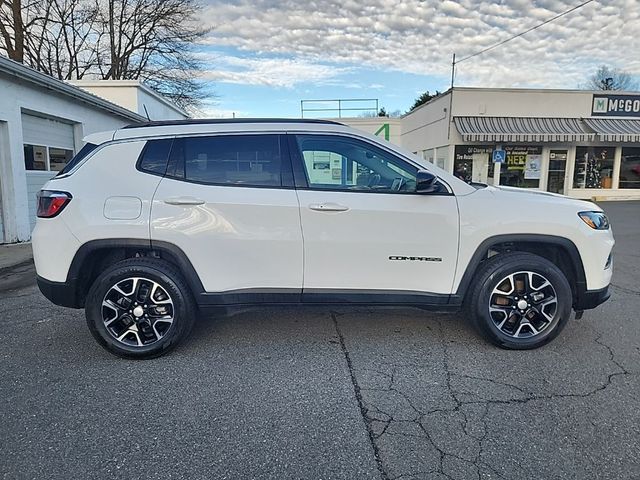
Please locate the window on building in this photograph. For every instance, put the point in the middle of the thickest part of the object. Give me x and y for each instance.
(472, 163)
(249, 160)
(334, 162)
(35, 157)
(630, 168)
(593, 167)
(522, 166)
(58, 158)
(39, 157)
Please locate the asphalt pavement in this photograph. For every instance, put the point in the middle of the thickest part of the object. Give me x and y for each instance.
(323, 393)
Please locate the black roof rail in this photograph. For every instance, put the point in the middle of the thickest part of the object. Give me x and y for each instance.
(209, 121)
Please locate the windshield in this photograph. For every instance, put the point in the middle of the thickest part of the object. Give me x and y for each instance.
(81, 155)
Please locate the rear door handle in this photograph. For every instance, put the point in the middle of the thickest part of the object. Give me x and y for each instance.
(184, 201)
(328, 207)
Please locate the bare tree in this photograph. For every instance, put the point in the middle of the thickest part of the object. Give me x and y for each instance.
(153, 40)
(12, 29)
(606, 78)
(149, 40)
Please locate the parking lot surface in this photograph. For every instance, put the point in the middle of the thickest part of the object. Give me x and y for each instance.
(327, 393)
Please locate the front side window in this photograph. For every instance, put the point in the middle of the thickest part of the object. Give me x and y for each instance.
(341, 163)
(249, 160)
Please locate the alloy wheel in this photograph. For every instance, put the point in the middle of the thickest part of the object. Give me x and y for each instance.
(523, 304)
(137, 311)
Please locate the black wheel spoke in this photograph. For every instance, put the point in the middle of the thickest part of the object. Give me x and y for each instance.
(523, 304)
(137, 311)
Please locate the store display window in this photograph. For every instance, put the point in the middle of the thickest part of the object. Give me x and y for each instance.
(593, 167)
(630, 167)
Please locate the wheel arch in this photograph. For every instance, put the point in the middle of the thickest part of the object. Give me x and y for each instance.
(562, 251)
(94, 256)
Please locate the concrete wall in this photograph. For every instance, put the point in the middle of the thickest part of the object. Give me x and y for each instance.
(157, 110)
(17, 193)
(134, 96)
(427, 126)
(376, 126)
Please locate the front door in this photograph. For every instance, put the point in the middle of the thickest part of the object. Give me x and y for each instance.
(367, 235)
(228, 203)
(557, 171)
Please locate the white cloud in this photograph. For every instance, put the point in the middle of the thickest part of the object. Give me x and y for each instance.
(419, 36)
(269, 71)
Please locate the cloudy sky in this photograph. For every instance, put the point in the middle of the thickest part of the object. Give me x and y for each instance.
(264, 56)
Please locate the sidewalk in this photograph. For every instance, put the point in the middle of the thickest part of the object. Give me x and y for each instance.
(16, 266)
(14, 254)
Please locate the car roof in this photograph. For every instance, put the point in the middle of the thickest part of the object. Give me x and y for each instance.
(227, 125)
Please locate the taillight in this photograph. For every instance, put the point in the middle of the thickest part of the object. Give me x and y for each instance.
(51, 203)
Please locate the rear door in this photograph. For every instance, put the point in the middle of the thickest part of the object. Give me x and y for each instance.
(228, 203)
(367, 235)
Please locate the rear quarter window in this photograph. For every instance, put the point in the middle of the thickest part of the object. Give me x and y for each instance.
(81, 155)
(154, 156)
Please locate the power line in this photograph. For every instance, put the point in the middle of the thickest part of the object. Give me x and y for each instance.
(496, 45)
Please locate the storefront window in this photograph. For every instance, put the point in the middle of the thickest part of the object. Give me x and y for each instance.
(593, 167)
(522, 168)
(472, 163)
(630, 168)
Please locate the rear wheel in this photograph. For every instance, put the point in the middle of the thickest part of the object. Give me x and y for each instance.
(520, 301)
(139, 308)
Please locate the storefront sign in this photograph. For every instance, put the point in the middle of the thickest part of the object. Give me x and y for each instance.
(532, 167)
(615, 105)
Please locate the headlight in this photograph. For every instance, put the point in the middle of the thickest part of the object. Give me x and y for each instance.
(596, 220)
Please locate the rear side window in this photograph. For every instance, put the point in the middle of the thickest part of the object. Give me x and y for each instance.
(249, 160)
(155, 155)
(81, 155)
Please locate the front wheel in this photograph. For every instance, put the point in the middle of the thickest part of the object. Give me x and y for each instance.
(520, 301)
(139, 308)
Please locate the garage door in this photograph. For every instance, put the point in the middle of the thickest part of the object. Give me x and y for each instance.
(46, 132)
(45, 141)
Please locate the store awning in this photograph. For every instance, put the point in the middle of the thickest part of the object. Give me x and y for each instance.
(522, 129)
(615, 129)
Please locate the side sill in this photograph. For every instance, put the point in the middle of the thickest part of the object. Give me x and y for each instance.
(248, 297)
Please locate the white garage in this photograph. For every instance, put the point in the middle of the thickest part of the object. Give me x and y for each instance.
(42, 124)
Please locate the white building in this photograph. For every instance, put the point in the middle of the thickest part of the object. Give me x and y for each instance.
(579, 143)
(135, 96)
(42, 124)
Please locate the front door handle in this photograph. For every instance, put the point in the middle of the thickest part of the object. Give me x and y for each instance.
(184, 201)
(328, 207)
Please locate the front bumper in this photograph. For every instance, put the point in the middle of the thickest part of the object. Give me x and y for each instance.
(60, 293)
(588, 299)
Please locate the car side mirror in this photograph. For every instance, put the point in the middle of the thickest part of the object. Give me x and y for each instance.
(425, 182)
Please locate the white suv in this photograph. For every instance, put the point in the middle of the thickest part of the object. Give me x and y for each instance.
(154, 223)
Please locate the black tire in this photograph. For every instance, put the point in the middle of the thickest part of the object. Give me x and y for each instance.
(173, 284)
(489, 276)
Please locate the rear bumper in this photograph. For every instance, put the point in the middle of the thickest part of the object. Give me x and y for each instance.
(588, 299)
(60, 293)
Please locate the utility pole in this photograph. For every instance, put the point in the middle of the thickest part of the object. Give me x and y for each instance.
(453, 69)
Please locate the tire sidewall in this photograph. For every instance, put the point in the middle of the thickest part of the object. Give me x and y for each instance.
(93, 310)
(489, 282)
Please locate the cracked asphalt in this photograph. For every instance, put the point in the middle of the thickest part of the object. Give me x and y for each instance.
(325, 394)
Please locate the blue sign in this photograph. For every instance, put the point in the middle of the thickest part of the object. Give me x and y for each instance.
(499, 156)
